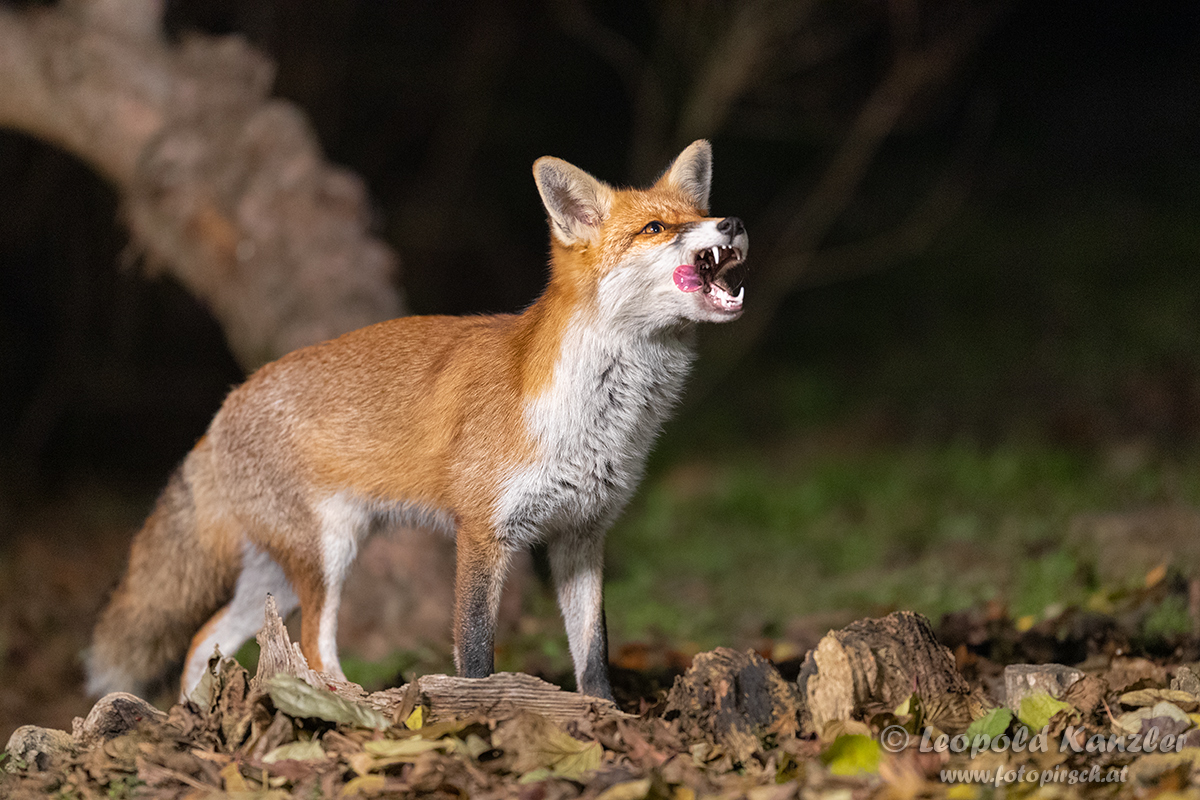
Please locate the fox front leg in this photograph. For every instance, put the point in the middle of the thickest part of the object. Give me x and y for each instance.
(482, 560)
(577, 565)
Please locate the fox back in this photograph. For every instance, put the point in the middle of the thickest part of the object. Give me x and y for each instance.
(502, 430)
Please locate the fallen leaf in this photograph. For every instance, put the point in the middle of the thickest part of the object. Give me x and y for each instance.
(991, 724)
(474, 745)
(539, 743)
(628, 790)
(1149, 697)
(1167, 717)
(1037, 709)
(1173, 717)
(363, 784)
(296, 751)
(535, 776)
(852, 754)
(416, 719)
(405, 748)
(296, 698)
(234, 782)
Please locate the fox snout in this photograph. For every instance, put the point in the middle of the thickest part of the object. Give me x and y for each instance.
(731, 227)
(714, 270)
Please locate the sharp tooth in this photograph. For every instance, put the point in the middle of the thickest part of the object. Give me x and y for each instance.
(741, 293)
(716, 251)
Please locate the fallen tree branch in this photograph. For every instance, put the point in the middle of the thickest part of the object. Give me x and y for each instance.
(222, 186)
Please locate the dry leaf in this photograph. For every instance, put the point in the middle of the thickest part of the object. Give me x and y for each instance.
(296, 698)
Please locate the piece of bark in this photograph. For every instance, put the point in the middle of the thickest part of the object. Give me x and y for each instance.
(1186, 680)
(1086, 694)
(874, 665)
(278, 654)
(1023, 680)
(113, 715)
(733, 699)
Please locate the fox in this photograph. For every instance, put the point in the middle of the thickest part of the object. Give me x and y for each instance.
(503, 430)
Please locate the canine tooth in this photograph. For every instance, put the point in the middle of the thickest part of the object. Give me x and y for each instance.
(741, 293)
(716, 251)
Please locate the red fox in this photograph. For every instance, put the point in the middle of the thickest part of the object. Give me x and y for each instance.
(503, 430)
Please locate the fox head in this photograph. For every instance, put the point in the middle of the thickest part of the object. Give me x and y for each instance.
(649, 258)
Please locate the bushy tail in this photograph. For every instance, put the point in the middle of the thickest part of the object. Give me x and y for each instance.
(174, 584)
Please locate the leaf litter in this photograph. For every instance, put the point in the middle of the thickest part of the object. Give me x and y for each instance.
(731, 727)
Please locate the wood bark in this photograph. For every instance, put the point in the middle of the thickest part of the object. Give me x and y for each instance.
(222, 186)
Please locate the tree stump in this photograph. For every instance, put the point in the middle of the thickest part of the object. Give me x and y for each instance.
(733, 699)
(874, 665)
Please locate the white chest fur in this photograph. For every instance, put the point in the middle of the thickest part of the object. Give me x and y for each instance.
(593, 428)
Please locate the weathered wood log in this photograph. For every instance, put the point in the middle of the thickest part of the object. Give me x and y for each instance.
(113, 715)
(499, 697)
(733, 699)
(874, 665)
(38, 748)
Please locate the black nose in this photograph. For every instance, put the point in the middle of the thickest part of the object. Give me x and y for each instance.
(731, 226)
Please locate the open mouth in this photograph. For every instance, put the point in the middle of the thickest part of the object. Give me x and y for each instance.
(718, 272)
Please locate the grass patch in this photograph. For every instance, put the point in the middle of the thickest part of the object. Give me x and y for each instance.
(709, 550)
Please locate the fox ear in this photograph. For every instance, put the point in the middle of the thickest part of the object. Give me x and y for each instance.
(691, 174)
(577, 203)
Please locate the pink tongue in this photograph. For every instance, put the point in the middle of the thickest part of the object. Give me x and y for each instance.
(687, 279)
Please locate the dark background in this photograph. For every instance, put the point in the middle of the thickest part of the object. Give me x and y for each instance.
(1077, 229)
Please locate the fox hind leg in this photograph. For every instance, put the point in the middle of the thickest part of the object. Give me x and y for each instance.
(241, 617)
(341, 523)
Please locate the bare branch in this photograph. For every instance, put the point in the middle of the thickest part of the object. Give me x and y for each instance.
(799, 234)
(913, 234)
(736, 60)
(642, 83)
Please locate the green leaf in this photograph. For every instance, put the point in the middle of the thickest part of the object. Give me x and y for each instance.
(991, 724)
(1037, 709)
(851, 754)
(296, 751)
(296, 698)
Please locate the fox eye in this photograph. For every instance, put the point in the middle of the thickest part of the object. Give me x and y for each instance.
(653, 227)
